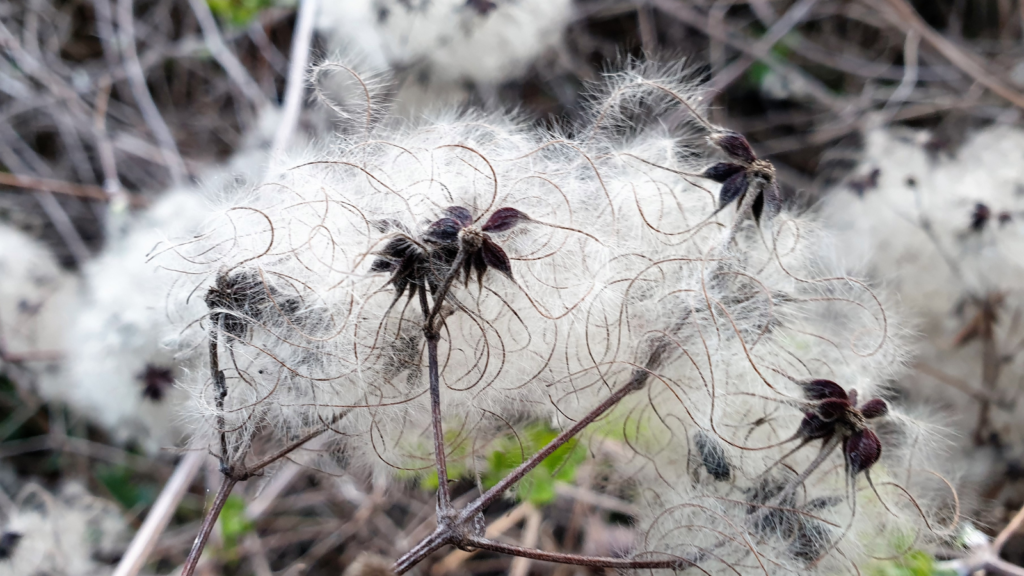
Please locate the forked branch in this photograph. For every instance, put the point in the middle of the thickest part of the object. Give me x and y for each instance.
(466, 529)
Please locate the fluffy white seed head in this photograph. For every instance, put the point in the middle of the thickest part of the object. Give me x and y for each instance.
(121, 363)
(68, 533)
(622, 269)
(946, 232)
(718, 461)
(35, 300)
(124, 347)
(440, 46)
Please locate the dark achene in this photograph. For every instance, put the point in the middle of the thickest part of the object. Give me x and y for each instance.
(418, 263)
(744, 174)
(836, 414)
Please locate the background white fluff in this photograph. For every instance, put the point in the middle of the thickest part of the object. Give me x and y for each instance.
(67, 533)
(36, 298)
(124, 320)
(438, 46)
(914, 232)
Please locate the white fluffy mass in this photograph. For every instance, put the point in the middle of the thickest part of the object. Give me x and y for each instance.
(123, 346)
(440, 46)
(121, 362)
(946, 232)
(35, 296)
(619, 269)
(71, 533)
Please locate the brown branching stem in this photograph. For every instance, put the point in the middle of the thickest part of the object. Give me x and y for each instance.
(233, 475)
(464, 530)
(220, 389)
(636, 382)
(990, 364)
(235, 472)
(442, 293)
(580, 560)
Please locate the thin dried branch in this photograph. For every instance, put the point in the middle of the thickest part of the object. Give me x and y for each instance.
(904, 16)
(209, 521)
(796, 13)
(159, 515)
(298, 62)
(137, 81)
(225, 57)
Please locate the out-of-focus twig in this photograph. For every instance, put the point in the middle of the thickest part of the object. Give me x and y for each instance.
(66, 228)
(904, 16)
(531, 532)
(496, 528)
(695, 19)
(295, 89)
(48, 185)
(159, 515)
(910, 71)
(986, 556)
(137, 81)
(779, 29)
(225, 57)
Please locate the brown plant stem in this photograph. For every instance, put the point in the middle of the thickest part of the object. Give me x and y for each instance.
(221, 390)
(580, 560)
(432, 543)
(442, 293)
(227, 484)
(444, 498)
(990, 367)
(234, 475)
(234, 472)
(987, 557)
(458, 531)
(636, 382)
(1009, 530)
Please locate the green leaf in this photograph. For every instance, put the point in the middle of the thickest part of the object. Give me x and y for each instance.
(120, 481)
(538, 486)
(238, 12)
(234, 524)
(914, 563)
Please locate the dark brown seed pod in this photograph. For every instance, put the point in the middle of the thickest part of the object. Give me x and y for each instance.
(734, 145)
(722, 171)
(732, 189)
(822, 389)
(862, 449)
(443, 231)
(813, 427)
(835, 413)
(980, 217)
(504, 219)
(874, 408)
(482, 7)
(236, 300)
(744, 174)
(413, 267)
(495, 257)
